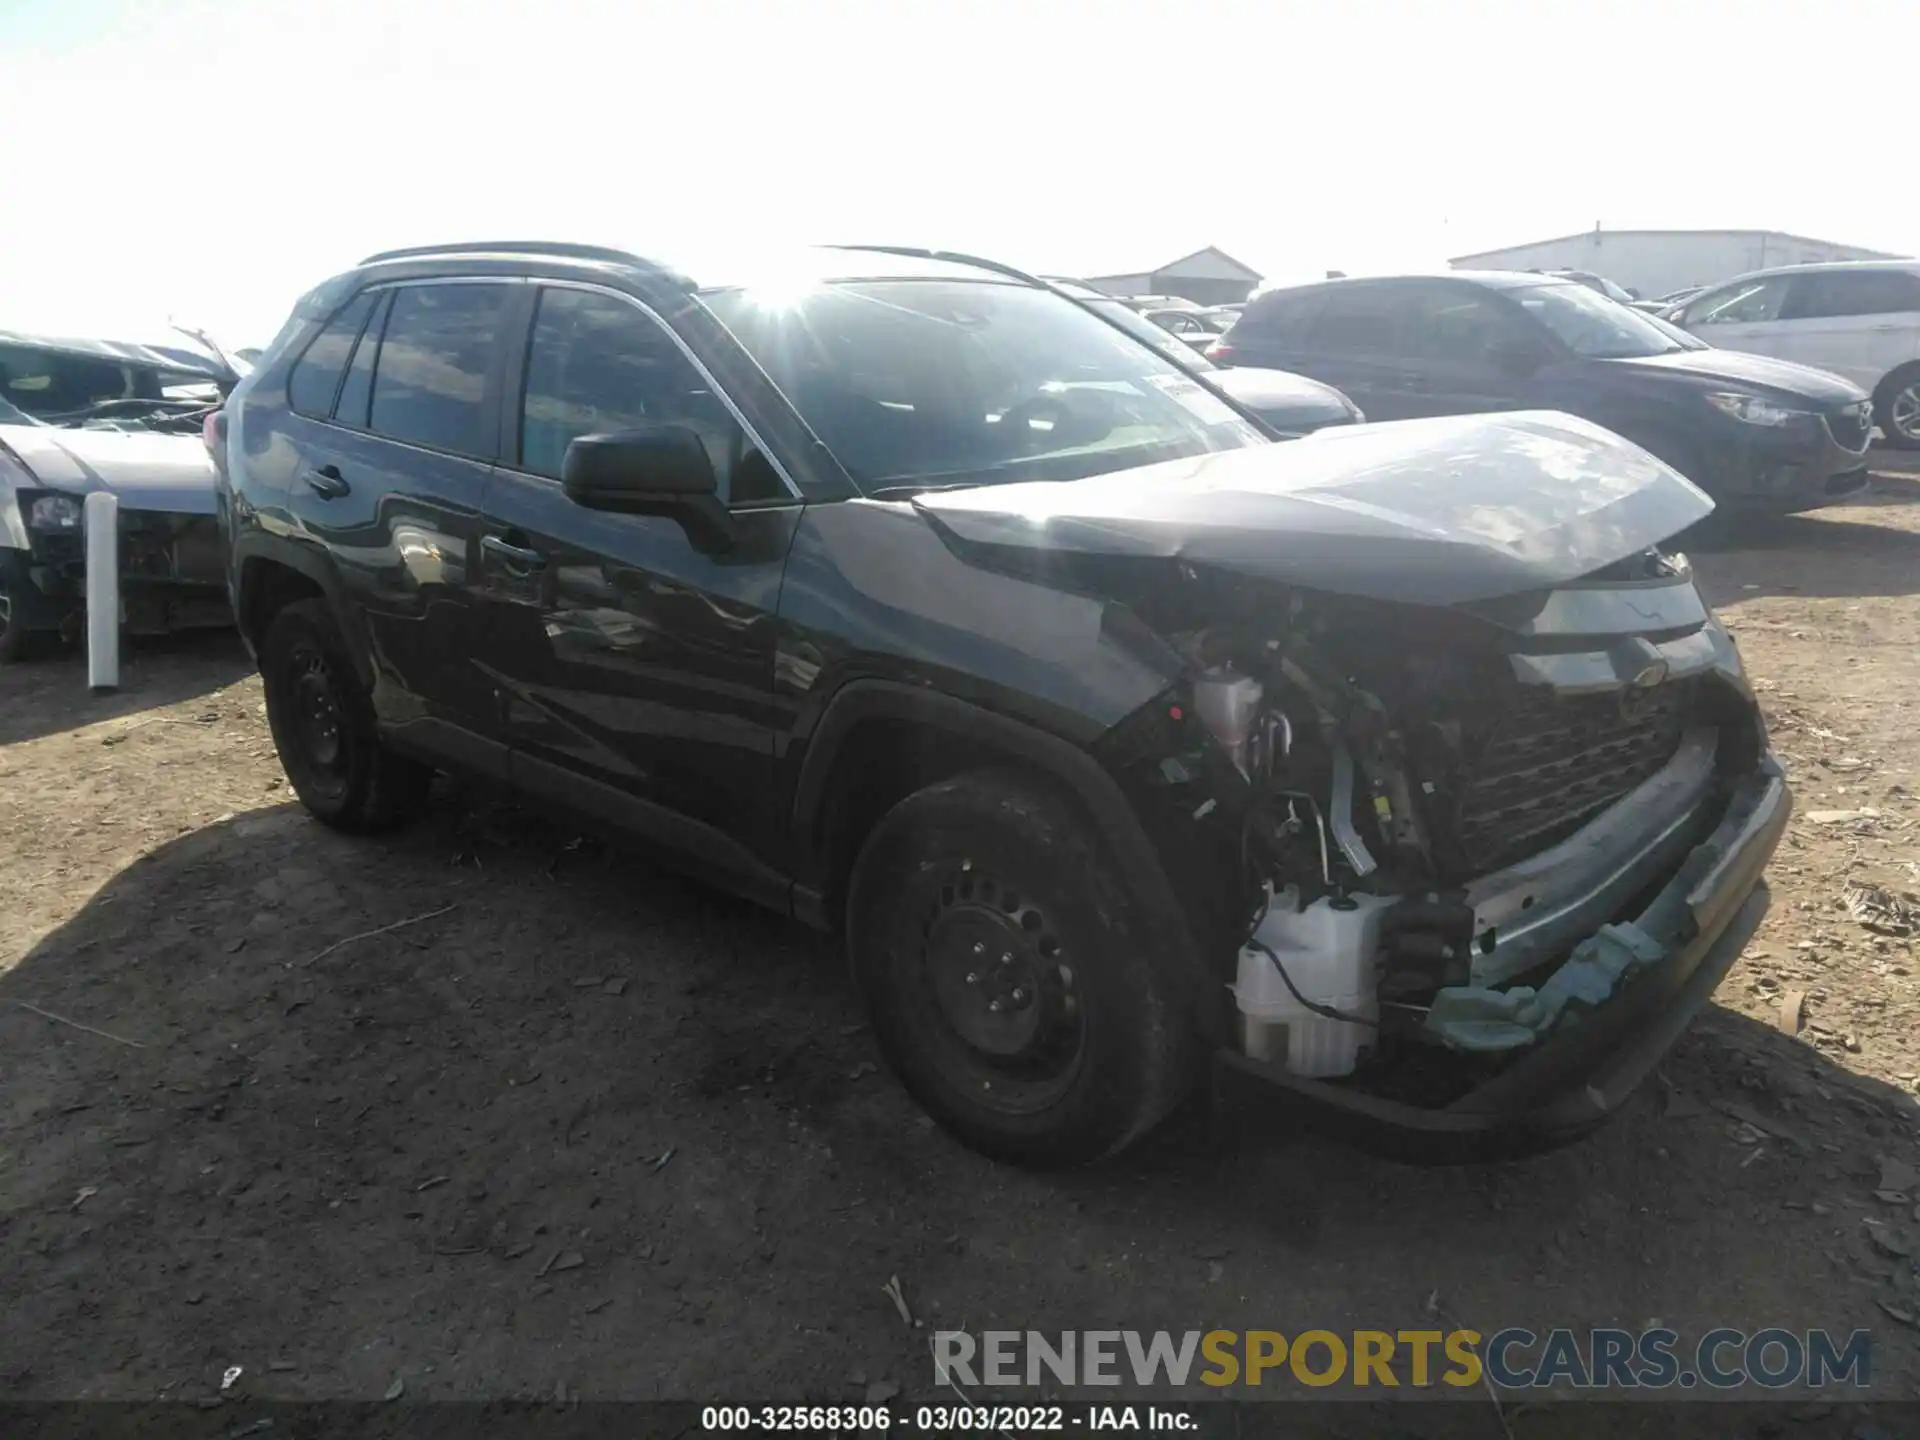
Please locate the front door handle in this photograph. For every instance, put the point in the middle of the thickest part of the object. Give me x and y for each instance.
(328, 483)
(516, 557)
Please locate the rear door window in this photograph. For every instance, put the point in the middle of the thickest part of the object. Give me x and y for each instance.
(430, 381)
(1456, 323)
(1367, 320)
(1824, 294)
(316, 374)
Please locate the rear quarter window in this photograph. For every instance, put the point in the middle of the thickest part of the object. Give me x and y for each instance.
(1283, 317)
(315, 378)
(1834, 293)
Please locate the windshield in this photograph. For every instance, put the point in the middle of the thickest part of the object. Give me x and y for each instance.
(53, 386)
(1681, 338)
(1590, 324)
(917, 383)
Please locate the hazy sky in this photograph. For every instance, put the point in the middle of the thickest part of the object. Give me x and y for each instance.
(212, 158)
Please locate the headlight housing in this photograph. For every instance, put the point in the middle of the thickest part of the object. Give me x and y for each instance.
(1755, 410)
(54, 513)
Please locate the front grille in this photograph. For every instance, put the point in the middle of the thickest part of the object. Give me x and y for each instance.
(153, 545)
(1851, 426)
(1550, 763)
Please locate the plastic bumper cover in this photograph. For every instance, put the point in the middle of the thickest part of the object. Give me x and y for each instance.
(1573, 1081)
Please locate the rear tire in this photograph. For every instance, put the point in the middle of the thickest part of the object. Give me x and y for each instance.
(323, 726)
(979, 890)
(1896, 408)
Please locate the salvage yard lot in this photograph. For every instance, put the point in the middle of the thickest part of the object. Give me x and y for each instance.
(589, 1130)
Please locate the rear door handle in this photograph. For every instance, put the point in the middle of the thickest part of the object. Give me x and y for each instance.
(328, 483)
(517, 557)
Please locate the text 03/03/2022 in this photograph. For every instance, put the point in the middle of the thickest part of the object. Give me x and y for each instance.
(944, 1419)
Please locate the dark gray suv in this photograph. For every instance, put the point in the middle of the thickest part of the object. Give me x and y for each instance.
(1394, 775)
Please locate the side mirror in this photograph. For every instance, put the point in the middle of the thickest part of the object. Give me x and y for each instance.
(654, 470)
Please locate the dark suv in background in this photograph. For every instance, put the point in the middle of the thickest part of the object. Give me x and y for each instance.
(1289, 404)
(1754, 433)
(912, 599)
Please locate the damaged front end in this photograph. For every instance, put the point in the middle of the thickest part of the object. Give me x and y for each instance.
(171, 565)
(1460, 782)
(1465, 871)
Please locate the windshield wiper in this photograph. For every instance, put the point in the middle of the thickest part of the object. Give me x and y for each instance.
(143, 409)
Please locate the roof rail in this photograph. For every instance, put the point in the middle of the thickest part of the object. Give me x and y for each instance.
(921, 252)
(515, 247)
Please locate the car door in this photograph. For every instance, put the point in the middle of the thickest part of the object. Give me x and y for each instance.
(393, 464)
(1744, 316)
(1859, 323)
(634, 661)
(1357, 343)
(1459, 346)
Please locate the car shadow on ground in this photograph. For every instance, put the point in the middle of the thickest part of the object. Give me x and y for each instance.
(455, 1103)
(45, 697)
(1834, 553)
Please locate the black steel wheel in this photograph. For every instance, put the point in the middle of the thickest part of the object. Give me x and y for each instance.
(323, 726)
(1004, 996)
(1007, 974)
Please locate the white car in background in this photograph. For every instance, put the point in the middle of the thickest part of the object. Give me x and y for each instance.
(1857, 318)
(85, 415)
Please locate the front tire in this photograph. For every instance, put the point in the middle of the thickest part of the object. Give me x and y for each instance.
(1896, 408)
(323, 726)
(1010, 978)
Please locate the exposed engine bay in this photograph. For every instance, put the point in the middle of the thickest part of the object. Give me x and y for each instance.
(1415, 833)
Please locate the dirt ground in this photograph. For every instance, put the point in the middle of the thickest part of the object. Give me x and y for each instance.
(590, 1131)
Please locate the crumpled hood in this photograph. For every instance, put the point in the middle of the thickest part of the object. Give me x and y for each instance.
(1755, 372)
(168, 473)
(1432, 512)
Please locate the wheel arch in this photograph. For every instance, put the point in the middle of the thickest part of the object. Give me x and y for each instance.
(877, 742)
(268, 577)
(1883, 396)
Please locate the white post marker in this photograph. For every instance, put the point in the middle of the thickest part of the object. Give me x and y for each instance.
(102, 514)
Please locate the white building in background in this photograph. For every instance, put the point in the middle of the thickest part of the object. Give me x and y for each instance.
(1206, 277)
(1655, 262)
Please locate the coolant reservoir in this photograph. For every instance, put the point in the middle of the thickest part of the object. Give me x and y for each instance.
(1329, 954)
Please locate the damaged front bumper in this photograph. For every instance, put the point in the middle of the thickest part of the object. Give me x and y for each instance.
(1649, 973)
(172, 576)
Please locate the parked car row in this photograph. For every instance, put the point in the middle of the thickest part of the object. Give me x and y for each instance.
(1753, 432)
(1290, 404)
(1396, 776)
(1859, 319)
